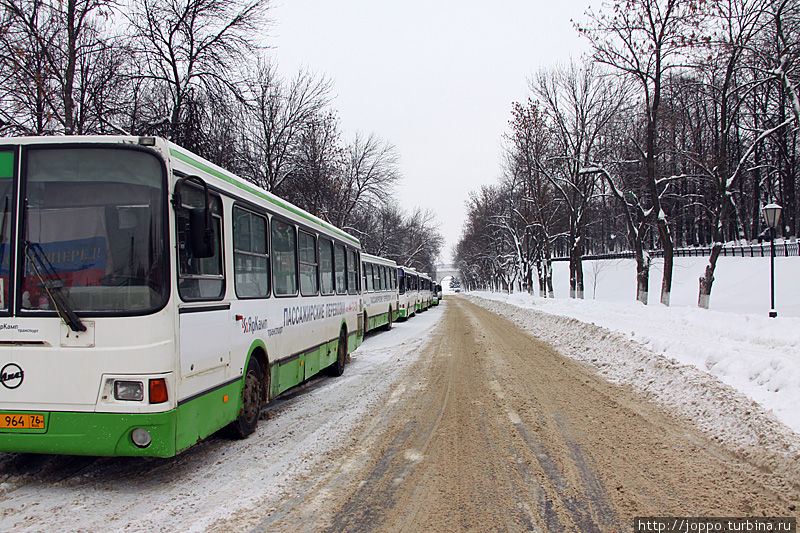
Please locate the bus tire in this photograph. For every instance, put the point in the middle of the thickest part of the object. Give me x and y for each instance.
(337, 368)
(252, 396)
(388, 325)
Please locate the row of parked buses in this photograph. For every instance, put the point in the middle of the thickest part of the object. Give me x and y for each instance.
(393, 292)
(149, 298)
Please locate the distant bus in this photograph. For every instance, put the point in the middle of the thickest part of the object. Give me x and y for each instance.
(380, 292)
(408, 290)
(437, 294)
(425, 293)
(150, 298)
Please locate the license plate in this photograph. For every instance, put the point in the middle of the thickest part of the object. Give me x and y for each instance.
(16, 421)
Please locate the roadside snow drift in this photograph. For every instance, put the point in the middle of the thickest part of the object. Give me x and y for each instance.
(737, 377)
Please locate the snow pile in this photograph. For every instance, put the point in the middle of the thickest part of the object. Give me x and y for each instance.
(741, 284)
(681, 357)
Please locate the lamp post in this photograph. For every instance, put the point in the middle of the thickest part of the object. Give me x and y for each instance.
(772, 213)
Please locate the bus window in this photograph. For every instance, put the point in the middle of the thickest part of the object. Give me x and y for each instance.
(352, 271)
(326, 265)
(199, 278)
(6, 180)
(284, 258)
(341, 269)
(308, 264)
(250, 258)
(368, 276)
(401, 282)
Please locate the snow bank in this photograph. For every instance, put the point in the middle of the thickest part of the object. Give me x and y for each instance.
(737, 377)
(755, 355)
(741, 284)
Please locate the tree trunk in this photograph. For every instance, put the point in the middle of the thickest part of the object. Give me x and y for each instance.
(668, 246)
(575, 273)
(707, 279)
(548, 277)
(642, 272)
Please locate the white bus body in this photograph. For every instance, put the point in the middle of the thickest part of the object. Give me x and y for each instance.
(379, 287)
(425, 293)
(408, 291)
(166, 345)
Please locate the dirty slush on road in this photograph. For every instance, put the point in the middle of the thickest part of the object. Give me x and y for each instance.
(493, 430)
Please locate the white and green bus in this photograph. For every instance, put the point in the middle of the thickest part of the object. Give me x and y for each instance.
(150, 298)
(380, 292)
(425, 292)
(408, 291)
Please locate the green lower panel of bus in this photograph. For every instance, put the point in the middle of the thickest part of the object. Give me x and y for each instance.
(354, 340)
(172, 431)
(378, 320)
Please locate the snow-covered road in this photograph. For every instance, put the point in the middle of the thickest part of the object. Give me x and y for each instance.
(685, 362)
(217, 478)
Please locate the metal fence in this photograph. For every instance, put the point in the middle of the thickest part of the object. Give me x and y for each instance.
(782, 249)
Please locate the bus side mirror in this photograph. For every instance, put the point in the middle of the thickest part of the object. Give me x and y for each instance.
(201, 234)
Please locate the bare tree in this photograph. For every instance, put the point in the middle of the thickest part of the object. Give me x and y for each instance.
(644, 39)
(187, 48)
(56, 59)
(412, 239)
(531, 193)
(726, 88)
(370, 172)
(317, 164)
(278, 111)
(580, 105)
(636, 219)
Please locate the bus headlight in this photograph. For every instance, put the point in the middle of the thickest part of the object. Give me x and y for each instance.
(132, 391)
(141, 437)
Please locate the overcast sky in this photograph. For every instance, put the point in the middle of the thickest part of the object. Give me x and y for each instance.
(435, 78)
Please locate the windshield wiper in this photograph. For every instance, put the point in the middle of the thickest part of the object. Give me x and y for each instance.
(54, 286)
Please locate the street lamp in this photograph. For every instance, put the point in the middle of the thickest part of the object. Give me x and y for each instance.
(772, 212)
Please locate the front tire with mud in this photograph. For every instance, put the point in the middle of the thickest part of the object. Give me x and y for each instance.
(252, 397)
(337, 368)
(388, 325)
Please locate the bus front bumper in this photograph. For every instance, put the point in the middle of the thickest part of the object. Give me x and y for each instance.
(107, 434)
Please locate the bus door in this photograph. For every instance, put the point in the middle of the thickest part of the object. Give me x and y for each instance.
(205, 321)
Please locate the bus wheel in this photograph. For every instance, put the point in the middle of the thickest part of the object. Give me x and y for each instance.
(388, 325)
(252, 394)
(337, 368)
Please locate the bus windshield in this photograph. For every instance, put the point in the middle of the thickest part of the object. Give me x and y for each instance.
(94, 230)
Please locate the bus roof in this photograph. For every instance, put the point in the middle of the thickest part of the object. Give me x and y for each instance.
(376, 259)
